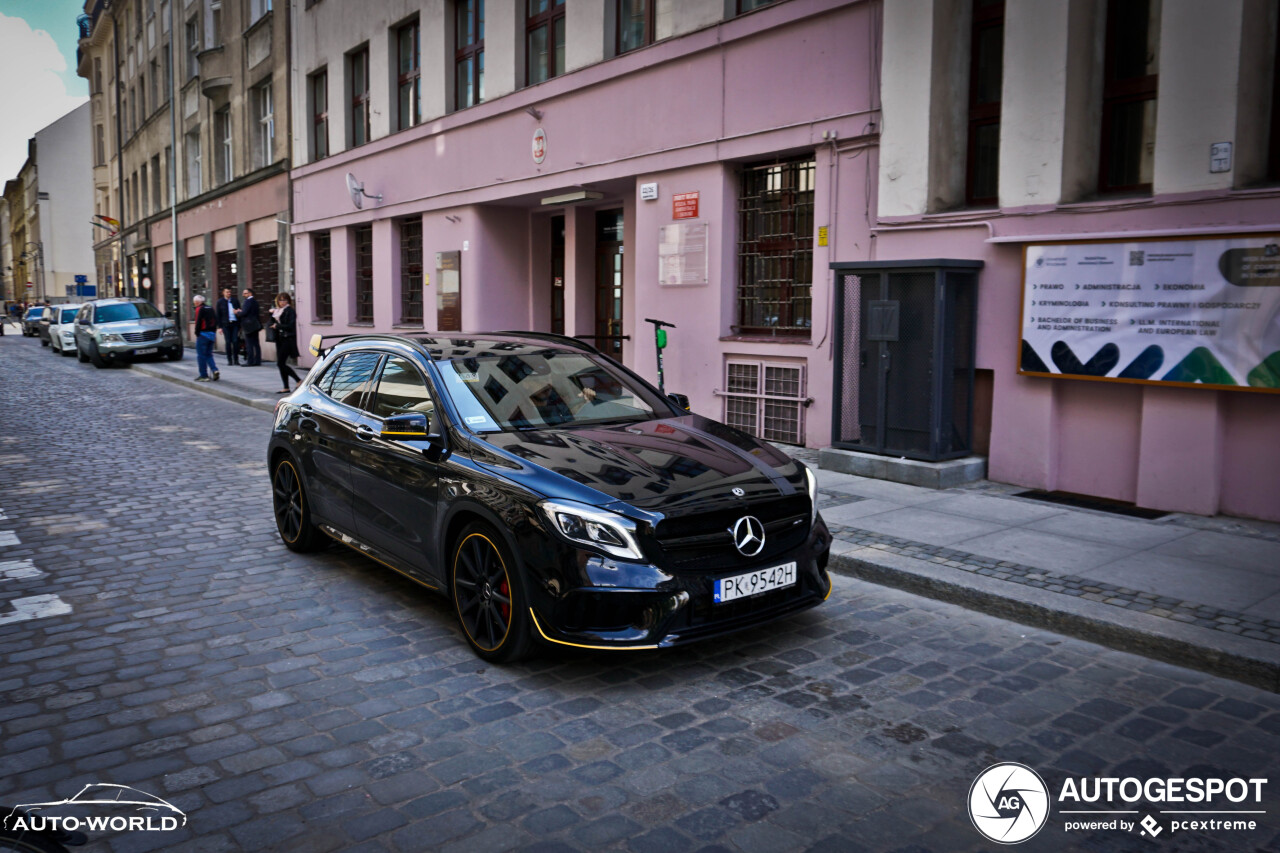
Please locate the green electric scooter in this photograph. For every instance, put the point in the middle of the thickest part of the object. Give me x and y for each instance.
(660, 343)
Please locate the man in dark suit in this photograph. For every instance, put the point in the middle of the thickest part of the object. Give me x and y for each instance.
(229, 321)
(250, 326)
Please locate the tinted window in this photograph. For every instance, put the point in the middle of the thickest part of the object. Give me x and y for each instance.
(123, 311)
(401, 390)
(68, 316)
(34, 313)
(351, 377)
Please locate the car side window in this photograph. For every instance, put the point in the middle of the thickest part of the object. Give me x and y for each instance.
(353, 377)
(402, 390)
(325, 382)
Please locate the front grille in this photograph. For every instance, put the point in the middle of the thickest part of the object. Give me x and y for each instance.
(142, 337)
(704, 542)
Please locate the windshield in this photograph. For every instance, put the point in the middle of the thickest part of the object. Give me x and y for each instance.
(34, 313)
(68, 316)
(124, 311)
(544, 389)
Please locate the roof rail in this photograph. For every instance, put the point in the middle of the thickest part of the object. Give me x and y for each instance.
(552, 337)
(318, 349)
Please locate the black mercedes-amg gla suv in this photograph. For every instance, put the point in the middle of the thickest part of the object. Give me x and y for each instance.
(550, 492)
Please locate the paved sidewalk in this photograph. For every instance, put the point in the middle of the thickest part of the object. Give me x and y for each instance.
(1195, 591)
(253, 386)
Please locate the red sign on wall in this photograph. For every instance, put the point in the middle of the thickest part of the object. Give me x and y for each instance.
(684, 206)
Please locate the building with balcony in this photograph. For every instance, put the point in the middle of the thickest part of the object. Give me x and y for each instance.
(217, 164)
(47, 241)
(1105, 162)
(582, 165)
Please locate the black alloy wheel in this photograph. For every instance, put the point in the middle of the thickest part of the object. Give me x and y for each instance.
(487, 596)
(293, 516)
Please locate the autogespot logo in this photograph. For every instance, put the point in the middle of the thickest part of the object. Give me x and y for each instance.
(1008, 803)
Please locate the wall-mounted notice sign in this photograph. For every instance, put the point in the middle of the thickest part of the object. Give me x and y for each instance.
(682, 254)
(684, 206)
(1182, 312)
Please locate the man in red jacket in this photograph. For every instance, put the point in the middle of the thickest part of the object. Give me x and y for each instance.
(206, 335)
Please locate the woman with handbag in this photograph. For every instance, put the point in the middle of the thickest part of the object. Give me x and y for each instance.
(284, 331)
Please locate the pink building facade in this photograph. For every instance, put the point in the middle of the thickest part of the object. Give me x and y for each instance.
(582, 236)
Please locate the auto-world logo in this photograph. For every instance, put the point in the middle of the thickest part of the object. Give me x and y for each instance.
(1008, 803)
(98, 807)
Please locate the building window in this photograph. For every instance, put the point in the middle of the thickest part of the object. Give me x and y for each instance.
(264, 141)
(169, 176)
(133, 111)
(99, 146)
(97, 75)
(144, 207)
(213, 38)
(411, 271)
(322, 264)
(986, 74)
(544, 40)
(222, 166)
(1273, 147)
(193, 163)
(775, 248)
(409, 101)
(157, 200)
(766, 400)
(1130, 78)
(319, 91)
(258, 8)
(193, 47)
(748, 5)
(635, 24)
(468, 74)
(358, 74)
(364, 273)
(168, 72)
(142, 97)
(155, 81)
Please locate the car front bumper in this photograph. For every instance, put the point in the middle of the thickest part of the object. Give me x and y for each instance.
(115, 349)
(641, 606)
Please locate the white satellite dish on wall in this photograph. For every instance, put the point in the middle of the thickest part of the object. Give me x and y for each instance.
(358, 194)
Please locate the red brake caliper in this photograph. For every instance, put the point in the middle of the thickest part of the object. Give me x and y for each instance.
(505, 609)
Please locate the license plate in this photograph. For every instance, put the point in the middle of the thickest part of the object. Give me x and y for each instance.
(147, 351)
(753, 583)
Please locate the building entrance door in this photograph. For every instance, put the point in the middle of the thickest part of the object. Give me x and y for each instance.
(557, 274)
(609, 283)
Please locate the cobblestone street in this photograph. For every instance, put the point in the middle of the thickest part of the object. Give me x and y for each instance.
(155, 633)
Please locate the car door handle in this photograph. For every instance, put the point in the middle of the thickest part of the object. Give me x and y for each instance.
(365, 433)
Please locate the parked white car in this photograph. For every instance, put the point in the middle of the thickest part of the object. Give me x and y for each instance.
(62, 328)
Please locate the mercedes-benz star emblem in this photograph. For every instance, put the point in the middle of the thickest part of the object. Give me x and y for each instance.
(739, 492)
(748, 535)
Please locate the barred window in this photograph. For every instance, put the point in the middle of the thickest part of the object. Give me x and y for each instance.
(411, 271)
(775, 248)
(323, 265)
(364, 273)
(766, 400)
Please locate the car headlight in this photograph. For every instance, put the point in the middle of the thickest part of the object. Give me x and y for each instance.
(170, 332)
(595, 528)
(813, 495)
(112, 339)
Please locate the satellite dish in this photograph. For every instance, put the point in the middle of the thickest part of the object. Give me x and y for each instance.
(358, 195)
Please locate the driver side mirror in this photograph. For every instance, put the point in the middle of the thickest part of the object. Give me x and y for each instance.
(681, 401)
(412, 426)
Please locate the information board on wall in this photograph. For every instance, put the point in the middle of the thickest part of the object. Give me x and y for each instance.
(1186, 312)
(682, 254)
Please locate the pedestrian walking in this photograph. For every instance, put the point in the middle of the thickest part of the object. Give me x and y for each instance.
(250, 326)
(229, 322)
(206, 337)
(284, 326)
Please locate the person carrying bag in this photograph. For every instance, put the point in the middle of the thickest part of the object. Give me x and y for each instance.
(284, 331)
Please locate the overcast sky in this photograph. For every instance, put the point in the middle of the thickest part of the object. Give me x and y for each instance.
(38, 82)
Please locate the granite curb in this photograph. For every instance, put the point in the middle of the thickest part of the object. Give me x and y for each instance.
(1252, 662)
(235, 394)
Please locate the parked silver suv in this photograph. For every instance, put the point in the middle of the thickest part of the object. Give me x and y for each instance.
(111, 329)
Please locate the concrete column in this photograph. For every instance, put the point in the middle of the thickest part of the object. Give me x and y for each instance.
(676, 17)
(503, 48)
(1033, 102)
(584, 33)
(905, 96)
(579, 271)
(243, 273)
(383, 104)
(1180, 456)
(385, 282)
(343, 262)
(1198, 93)
(437, 34)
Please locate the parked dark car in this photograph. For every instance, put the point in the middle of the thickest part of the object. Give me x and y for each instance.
(552, 494)
(31, 322)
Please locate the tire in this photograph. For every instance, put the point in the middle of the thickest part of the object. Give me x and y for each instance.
(292, 509)
(31, 842)
(80, 356)
(488, 596)
(96, 357)
(43, 342)
(174, 355)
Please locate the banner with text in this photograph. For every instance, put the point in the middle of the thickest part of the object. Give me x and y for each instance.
(1199, 311)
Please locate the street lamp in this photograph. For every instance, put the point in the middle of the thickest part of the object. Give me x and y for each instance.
(38, 257)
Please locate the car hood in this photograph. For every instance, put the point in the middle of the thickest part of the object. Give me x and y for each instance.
(140, 325)
(672, 466)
